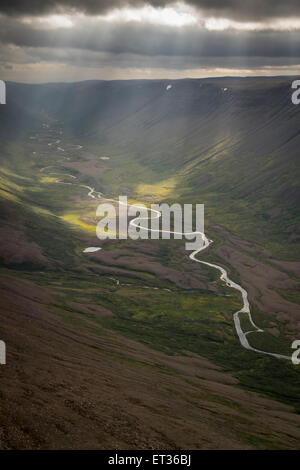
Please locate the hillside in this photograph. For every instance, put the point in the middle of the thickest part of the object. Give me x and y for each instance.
(89, 334)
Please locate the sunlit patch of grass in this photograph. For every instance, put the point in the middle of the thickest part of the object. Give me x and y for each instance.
(74, 219)
(40, 210)
(48, 179)
(138, 202)
(162, 189)
(8, 195)
(12, 174)
(7, 184)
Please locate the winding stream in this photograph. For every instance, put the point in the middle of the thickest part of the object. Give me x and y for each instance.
(206, 242)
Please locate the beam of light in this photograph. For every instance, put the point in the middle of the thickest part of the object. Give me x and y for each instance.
(51, 21)
(179, 15)
(221, 24)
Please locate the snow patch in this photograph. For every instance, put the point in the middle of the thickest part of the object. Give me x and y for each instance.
(91, 249)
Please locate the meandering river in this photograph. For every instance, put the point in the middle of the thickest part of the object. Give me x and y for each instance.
(206, 242)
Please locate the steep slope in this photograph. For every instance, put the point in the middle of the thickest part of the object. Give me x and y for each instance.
(89, 388)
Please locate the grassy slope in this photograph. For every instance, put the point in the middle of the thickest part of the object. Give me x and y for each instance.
(165, 157)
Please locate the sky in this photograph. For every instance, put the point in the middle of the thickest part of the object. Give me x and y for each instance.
(71, 40)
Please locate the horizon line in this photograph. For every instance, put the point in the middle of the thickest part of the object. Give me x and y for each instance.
(225, 77)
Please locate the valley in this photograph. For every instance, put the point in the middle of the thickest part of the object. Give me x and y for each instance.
(141, 312)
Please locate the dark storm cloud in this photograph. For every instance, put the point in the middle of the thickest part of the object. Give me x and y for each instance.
(152, 40)
(88, 45)
(238, 9)
(248, 10)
